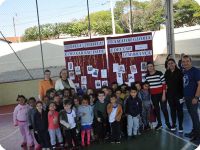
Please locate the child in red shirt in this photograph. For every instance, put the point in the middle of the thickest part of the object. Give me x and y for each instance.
(53, 126)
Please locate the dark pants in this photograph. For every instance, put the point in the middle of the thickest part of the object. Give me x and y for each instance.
(176, 110)
(71, 135)
(101, 129)
(44, 139)
(193, 111)
(115, 131)
(157, 99)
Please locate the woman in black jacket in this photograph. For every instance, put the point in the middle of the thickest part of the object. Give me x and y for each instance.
(174, 81)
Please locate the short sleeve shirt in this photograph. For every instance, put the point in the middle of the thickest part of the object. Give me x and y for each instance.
(190, 79)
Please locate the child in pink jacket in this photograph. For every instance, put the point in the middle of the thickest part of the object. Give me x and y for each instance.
(20, 118)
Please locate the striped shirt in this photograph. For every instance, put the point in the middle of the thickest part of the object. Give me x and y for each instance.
(156, 82)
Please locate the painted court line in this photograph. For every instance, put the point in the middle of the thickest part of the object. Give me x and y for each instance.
(9, 135)
(188, 142)
(4, 114)
(186, 146)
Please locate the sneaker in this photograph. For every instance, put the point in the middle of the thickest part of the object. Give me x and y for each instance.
(180, 130)
(168, 126)
(118, 142)
(173, 128)
(112, 142)
(158, 127)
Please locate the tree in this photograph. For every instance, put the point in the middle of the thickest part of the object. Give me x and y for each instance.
(31, 34)
(186, 13)
(48, 31)
(146, 15)
(101, 23)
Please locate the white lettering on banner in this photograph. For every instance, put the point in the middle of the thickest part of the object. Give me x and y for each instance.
(85, 52)
(141, 47)
(83, 45)
(121, 49)
(137, 54)
(130, 40)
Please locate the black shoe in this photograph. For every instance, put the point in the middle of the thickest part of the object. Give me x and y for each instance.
(180, 130)
(173, 127)
(189, 135)
(129, 138)
(168, 126)
(195, 138)
(158, 127)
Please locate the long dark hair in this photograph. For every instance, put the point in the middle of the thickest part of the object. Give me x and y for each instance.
(50, 80)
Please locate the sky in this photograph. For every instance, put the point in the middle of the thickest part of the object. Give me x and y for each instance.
(51, 11)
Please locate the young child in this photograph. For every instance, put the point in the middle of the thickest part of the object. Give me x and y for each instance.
(68, 121)
(20, 118)
(53, 127)
(101, 116)
(105, 89)
(133, 111)
(146, 101)
(118, 93)
(90, 91)
(58, 102)
(85, 112)
(41, 126)
(31, 113)
(138, 86)
(66, 93)
(114, 111)
(92, 104)
(73, 92)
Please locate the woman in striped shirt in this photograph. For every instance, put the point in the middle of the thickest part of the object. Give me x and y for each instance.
(157, 84)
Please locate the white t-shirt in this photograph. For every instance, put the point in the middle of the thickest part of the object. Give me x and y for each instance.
(71, 119)
(113, 114)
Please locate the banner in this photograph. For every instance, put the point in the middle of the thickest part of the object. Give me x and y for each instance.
(86, 62)
(128, 56)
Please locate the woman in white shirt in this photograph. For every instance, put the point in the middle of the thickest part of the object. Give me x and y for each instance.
(64, 81)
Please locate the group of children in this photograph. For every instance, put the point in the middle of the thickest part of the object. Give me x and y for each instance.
(66, 119)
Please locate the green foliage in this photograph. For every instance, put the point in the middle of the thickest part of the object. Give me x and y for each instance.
(101, 23)
(146, 16)
(186, 13)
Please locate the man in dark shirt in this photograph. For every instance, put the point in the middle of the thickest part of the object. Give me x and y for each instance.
(191, 93)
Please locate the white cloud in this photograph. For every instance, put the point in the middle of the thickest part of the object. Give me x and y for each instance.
(1, 2)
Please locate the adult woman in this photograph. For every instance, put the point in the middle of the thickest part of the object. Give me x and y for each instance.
(168, 57)
(64, 81)
(45, 84)
(174, 81)
(157, 85)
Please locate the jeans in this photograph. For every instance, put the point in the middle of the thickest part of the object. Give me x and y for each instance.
(145, 113)
(193, 111)
(55, 133)
(157, 99)
(132, 125)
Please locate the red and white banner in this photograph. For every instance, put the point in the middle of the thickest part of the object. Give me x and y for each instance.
(86, 62)
(128, 56)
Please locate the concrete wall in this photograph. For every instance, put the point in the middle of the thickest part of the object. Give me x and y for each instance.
(9, 91)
